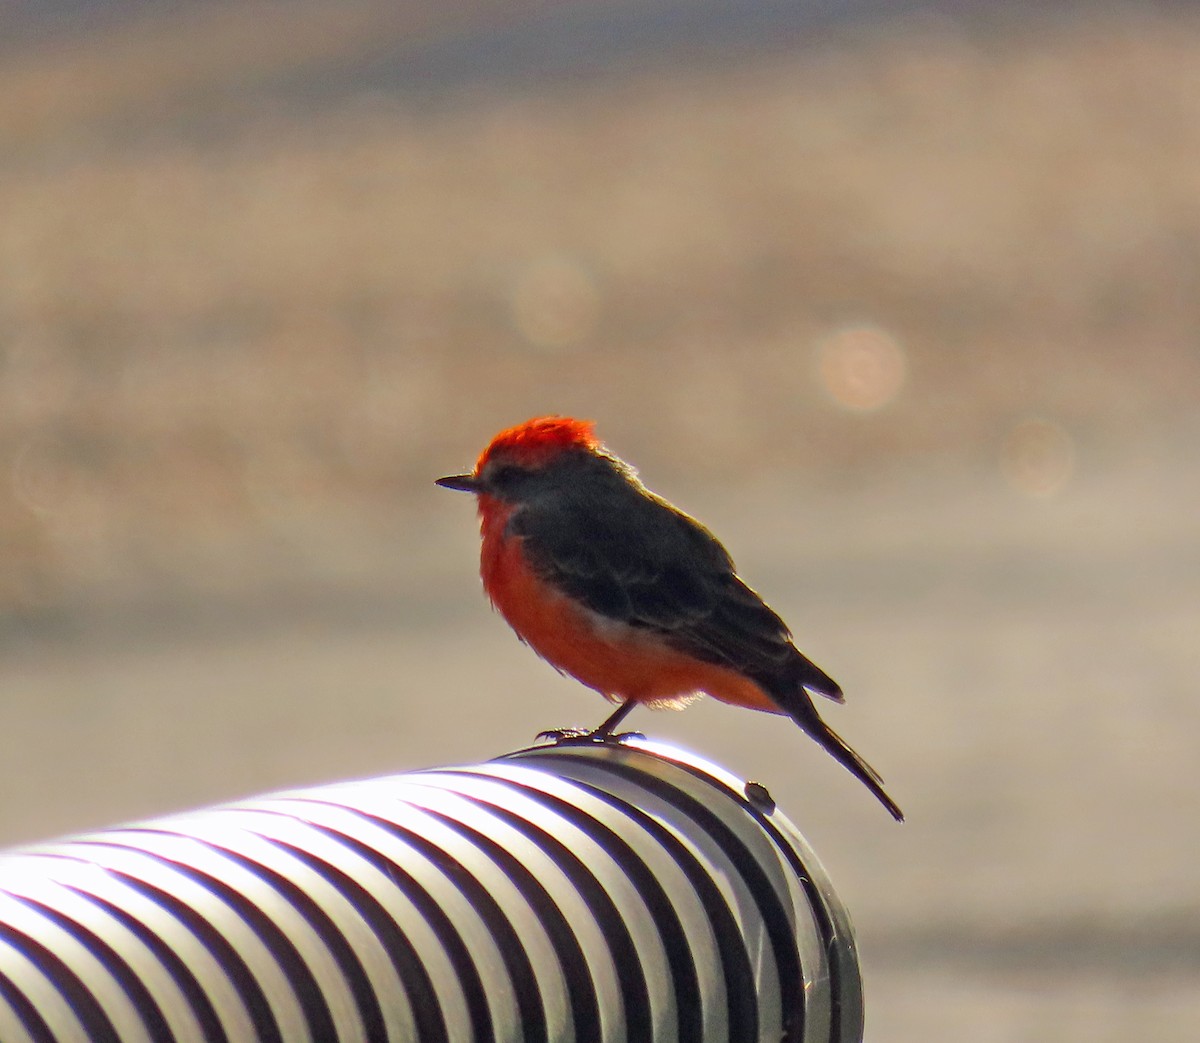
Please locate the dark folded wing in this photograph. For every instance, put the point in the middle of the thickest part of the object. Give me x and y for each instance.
(651, 566)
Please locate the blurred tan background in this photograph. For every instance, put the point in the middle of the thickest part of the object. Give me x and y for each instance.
(907, 309)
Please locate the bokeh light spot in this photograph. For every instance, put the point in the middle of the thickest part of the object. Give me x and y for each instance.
(1037, 457)
(555, 302)
(862, 367)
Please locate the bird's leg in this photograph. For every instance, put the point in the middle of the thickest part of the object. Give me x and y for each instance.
(605, 731)
(602, 734)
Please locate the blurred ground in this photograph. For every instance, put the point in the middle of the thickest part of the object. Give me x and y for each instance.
(906, 311)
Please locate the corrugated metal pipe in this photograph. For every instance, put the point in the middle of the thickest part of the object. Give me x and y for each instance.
(581, 891)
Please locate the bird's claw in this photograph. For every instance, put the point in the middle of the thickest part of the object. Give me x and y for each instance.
(567, 736)
(561, 734)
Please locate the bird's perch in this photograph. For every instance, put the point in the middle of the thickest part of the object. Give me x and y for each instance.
(574, 892)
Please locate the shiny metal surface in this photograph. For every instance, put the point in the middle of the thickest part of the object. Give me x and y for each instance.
(572, 892)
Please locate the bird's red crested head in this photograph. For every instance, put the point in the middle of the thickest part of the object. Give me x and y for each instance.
(538, 441)
(520, 461)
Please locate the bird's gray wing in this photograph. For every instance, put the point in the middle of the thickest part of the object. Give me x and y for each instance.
(651, 566)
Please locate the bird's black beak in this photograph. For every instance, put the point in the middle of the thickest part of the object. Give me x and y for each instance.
(463, 483)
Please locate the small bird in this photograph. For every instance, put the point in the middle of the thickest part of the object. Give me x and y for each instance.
(613, 585)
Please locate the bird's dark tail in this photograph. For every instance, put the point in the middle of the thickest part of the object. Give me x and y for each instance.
(800, 708)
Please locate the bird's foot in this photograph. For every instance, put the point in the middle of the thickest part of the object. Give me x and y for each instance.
(578, 736)
(561, 734)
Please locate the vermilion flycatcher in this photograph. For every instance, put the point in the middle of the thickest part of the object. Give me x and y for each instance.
(623, 591)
